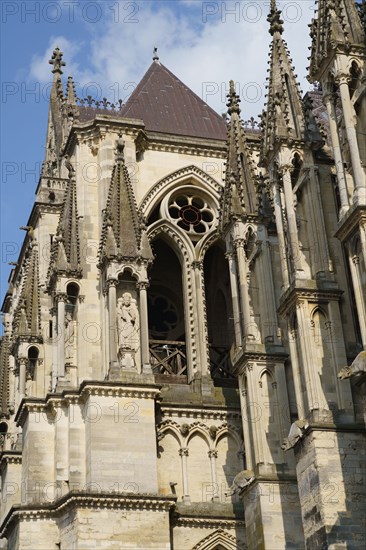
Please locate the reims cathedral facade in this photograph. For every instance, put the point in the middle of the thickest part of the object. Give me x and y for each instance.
(175, 370)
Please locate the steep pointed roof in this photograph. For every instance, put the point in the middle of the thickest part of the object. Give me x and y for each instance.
(240, 191)
(65, 252)
(121, 231)
(338, 25)
(167, 105)
(27, 319)
(283, 117)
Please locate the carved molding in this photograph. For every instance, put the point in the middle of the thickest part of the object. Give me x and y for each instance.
(141, 501)
(174, 177)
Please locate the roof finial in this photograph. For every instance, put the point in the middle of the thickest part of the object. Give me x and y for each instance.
(156, 57)
(276, 23)
(234, 99)
(56, 61)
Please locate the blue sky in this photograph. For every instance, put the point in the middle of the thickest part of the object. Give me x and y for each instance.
(107, 47)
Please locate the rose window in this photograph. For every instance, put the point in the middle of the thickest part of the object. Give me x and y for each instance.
(193, 214)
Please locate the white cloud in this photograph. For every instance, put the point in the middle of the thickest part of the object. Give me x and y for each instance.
(204, 55)
(40, 69)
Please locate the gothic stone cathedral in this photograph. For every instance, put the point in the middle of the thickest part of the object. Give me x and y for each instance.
(174, 370)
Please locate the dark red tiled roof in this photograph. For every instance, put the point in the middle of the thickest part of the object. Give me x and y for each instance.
(166, 105)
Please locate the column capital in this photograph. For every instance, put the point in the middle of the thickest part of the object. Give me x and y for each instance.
(284, 168)
(142, 285)
(239, 243)
(342, 78)
(197, 264)
(61, 297)
(111, 283)
(212, 453)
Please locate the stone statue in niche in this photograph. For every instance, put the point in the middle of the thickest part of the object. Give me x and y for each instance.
(128, 326)
(69, 338)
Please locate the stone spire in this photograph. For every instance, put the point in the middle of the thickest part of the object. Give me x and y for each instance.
(121, 231)
(65, 252)
(283, 117)
(276, 23)
(337, 27)
(239, 196)
(70, 91)
(27, 314)
(55, 130)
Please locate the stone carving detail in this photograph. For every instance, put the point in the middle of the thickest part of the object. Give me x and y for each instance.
(296, 432)
(128, 325)
(241, 480)
(356, 369)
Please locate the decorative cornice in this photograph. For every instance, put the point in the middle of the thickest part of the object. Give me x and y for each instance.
(350, 223)
(294, 296)
(201, 413)
(87, 389)
(208, 522)
(72, 501)
(10, 457)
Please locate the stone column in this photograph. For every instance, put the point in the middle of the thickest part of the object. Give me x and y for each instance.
(280, 233)
(235, 298)
(105, 314)
(310, 364)
(144, 327)
(349, 123)
(319, 226)
(54, 341)
(338, 160)
(269, 323)
(183, 453)
(202, 336)
(112, 314)
(291, 217)
(11, 383)
(61, 299)
(296, 372)
(212, 455)
(248, 443)
(359, 297)
(244, 288)
(22, 376)
(254, 415)
(363, 239)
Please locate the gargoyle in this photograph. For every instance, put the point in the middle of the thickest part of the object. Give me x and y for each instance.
(296, 432)
(357, 367)
(240, 481)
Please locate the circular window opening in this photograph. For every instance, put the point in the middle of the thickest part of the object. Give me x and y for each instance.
(193, 214)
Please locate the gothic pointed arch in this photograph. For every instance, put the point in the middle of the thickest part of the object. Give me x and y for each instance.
(179, 178)
(220, 540)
